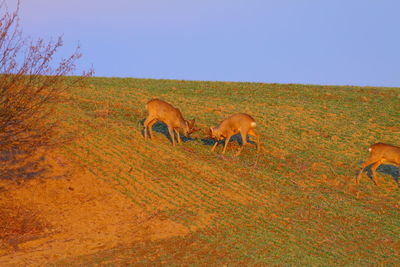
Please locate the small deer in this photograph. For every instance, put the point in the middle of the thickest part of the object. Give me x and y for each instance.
(237, 123)
(380, 153)
(160, 110)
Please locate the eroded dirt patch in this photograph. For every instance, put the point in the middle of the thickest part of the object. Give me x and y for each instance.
(49, 219)
(18, 224)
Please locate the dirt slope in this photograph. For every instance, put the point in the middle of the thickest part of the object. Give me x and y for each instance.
(75, 214)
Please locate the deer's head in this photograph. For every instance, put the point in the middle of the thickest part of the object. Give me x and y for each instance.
(215, 133)
(189, 128)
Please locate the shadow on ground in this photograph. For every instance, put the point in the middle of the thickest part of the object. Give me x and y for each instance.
(160, 127)
(15, 165)
(385, 169)
(208, 141)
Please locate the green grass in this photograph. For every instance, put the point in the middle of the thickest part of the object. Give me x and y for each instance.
(296, 203)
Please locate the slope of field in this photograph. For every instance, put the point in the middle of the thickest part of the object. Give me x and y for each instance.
(294, 203)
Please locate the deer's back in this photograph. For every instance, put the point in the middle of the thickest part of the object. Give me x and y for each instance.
(238, 122)
(387, 152)
(164, 111)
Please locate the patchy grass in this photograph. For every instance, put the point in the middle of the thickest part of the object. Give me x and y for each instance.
(295, 203)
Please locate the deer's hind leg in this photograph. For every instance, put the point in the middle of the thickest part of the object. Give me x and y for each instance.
(244, 142)
(368, 162)
(253, 133)
(373, 170)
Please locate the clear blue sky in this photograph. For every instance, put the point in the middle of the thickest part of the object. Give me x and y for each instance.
(341, 42)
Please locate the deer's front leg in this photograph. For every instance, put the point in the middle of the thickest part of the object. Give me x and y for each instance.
(150, 127)
(226, 143)
(214, 146)
(171, 133)
(145, 126)
(178, 136)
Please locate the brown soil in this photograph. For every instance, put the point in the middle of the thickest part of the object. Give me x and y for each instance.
(70, 212)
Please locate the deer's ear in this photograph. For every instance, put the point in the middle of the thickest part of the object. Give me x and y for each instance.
(191, 123)
(210, 131)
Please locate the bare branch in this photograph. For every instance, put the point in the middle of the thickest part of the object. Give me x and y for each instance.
(30, 84)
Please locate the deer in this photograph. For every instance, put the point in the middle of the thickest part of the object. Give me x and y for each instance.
(380, 153)
(160, 110)
(237, 123)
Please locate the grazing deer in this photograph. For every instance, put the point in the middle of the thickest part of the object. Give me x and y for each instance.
(162, 111)
(380, 153)
(237, 123)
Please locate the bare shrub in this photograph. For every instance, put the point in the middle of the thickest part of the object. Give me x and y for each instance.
(31, 83)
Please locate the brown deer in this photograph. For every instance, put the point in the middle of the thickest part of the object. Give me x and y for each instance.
(237, 123)
(160, 110)
(380, 153)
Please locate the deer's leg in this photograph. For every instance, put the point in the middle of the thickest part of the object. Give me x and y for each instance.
(362, 167)
(150, 126)
(214, 146)
(171, 133)
(226, 143)
(253, 133)
(178, 136)
(373, 169)
(244, 142)
(145, 126)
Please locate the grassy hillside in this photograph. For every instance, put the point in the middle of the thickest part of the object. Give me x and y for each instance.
(294, 203)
